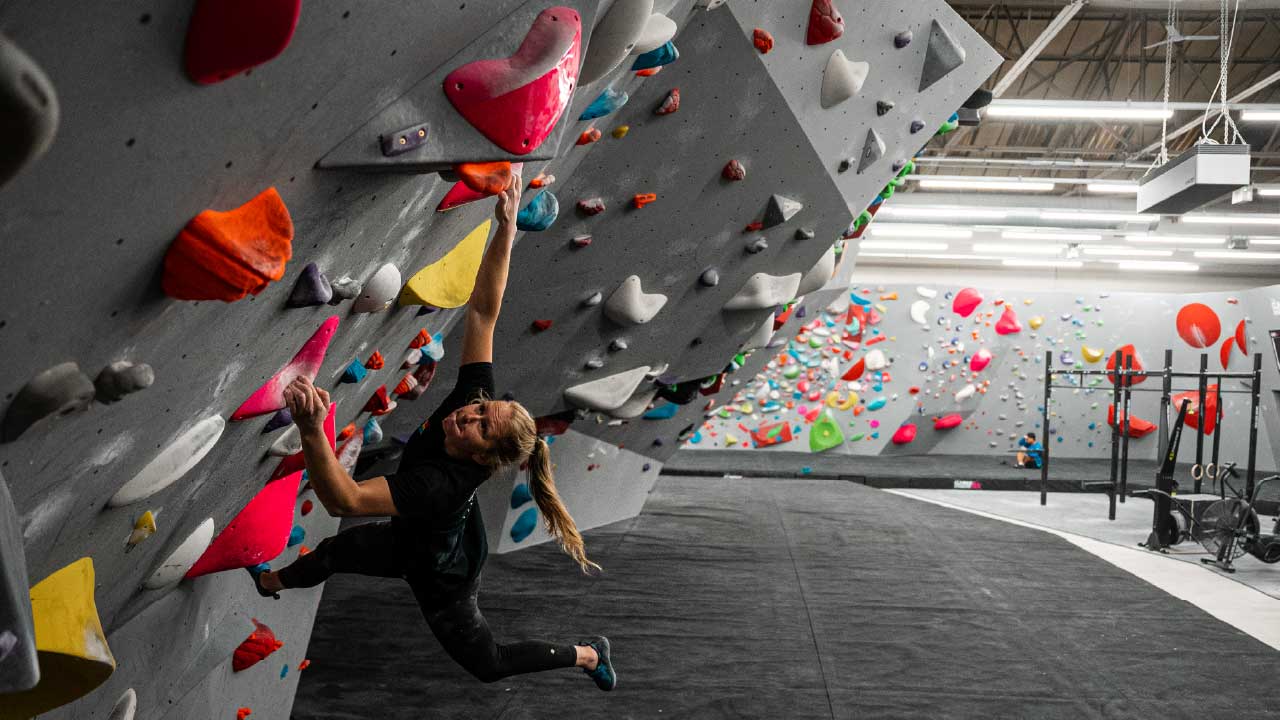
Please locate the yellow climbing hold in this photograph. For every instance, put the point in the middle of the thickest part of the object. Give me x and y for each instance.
(621, 131)
(72, 649)
(730, 440)
(1036, 322)
(142, 529)
(447, 282)
(1092, 355)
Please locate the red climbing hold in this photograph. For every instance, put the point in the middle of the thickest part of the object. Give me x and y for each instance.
(642, 199)
(379, 403)
(588, 136)
(762, 40)
(1224, 353)
(966, 301)
(226, 37)
(307, 507)
(591, 206)
(406, 385)
(1008, 323)
(856, 371)
(516, 101)
(1212, 411)
(904, 434)
(260, 643)
(733, 171)
(555, 424)
(1128, 351)
(753, 227)
(1241, 341)
(540, 325)
(670, 104)
(422, 338)
(243, 713)
(375, 361)
(481, 184)
(257, 534)
(649, 72)
(1198, 325)
(227, 255)
(1137, 426)
(347, 432)
(946, 422)
(825, 23)
(774, 434)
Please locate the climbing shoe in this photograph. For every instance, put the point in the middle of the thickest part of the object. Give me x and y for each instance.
(256, 573)
(604, 676)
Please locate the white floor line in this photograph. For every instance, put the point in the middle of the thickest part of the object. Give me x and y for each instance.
(1240, 606)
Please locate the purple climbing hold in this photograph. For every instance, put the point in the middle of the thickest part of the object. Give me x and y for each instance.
(801, 313)
(916, 126)
(902, 39)
(279, 420)
(312, 288)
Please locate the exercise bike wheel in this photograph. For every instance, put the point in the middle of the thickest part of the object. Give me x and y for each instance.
(1266, 549)
(1218, 527)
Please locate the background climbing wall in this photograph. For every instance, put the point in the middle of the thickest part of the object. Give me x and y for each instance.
(141, 149)
(929, 363)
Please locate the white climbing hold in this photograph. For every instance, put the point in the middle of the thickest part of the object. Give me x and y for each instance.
(172, 463)
(919, 309)
(761, 337)
(925, 292)
(657, 31)
(607, 393)
(614, 38)
(636, 405)
(592, 300)
(966, 392)
(872, 150)
(875, 360)
(820, 274)
(630, 305)
(289, 443)
(764, 291)
(942, 56)
(126, 706)
(380, 291)
(182, 558)
(842, 79)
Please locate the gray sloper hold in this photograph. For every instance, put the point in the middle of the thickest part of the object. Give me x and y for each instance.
(709, 277)
(592, 300)
(841, 80)
(630, 305)
(19, 667)
(613, 38)
(804, 234)
(60, 390)
(872, 150)
(764, 291)
(780, 210)
(121, 378)
(758, 245)
(345, 288)
(942, 56)
(636, 405)
(617, 345)
(28, 110)
(607, 393)
(820, 274)
(761, 337)
(657, 31)
(126, 706)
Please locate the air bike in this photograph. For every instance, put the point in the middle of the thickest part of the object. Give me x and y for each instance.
(1227, 528)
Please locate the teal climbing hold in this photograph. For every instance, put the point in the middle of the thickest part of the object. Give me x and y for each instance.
(524, 525)
(662, 412)
(284, 671)
(372, 432)
(540, 213)
(297, 535)
(657, 57)
(859, 300)
(876, 404)
(608, 102)
(354, 373)
(520, 495)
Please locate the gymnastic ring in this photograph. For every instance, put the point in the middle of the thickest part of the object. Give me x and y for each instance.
(1197, 471)
(1211, 472)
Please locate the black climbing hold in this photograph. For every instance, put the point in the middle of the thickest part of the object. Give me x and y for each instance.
(979, 99)
(916, 126)
(804, 234)
(845, 165)
(899, 164)
(28, 110)
(710, 277)
(883, 106)
(902, 39)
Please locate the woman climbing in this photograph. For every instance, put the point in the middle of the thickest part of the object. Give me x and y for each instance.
(435, 539)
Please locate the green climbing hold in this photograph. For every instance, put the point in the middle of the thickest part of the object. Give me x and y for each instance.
(857, 437)
(825, 434)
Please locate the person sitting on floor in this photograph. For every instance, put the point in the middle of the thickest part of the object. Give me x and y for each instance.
(1029, 452)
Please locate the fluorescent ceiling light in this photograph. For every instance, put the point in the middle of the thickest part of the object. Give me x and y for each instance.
(1074, 111)
(930, 232)
(1236, 255)
(1264, 240)
(1155, 265)
(1103, 217)
(1176, 239)
(926, 256)
(1233, 219)
(900, 245)
(1062, 236)
(1259, 116)
(1115, 188)
(1015, 262)
(1268, 190)
(1121, 251)
(1007, 249)
(984, 184)
(942, 213)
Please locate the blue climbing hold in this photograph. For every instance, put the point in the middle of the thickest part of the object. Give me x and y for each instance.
(372, 432)
(284, 671)
(520, 495)
(297, 535)
(859, 300)
(806, 470)
(876, 404)
(539, 213)
(645, 468)
(524, 525)
(657, 57)
(609, 101)
(662, 412)
(354, 373)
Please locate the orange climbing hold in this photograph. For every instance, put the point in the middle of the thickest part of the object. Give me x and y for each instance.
(406, 385)
(542, 180)
(379, 403)
(762, 40)
(375, 361)
(489, 178)
(649, 72)
(642, 199)
(304, 665)
(303, 550)
(260, 643)
(227, 255)
(588, 136)
(243, 713)
(346, 432)
(423, 338)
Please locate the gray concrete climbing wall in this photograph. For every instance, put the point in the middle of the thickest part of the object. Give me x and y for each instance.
(140, 150)
(929, 363)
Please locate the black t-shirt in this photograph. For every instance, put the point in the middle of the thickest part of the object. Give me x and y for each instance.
(439, 531)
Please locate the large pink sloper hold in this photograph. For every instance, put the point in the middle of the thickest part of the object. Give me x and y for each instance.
(516, 101)
(258, 533)
(270, 397)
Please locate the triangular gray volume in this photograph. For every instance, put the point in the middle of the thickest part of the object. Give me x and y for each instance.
(780, 210)
(872, 150)
(19, 668)
(448, 138)
(942, 56)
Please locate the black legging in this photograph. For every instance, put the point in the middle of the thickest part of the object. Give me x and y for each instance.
(454, 617)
